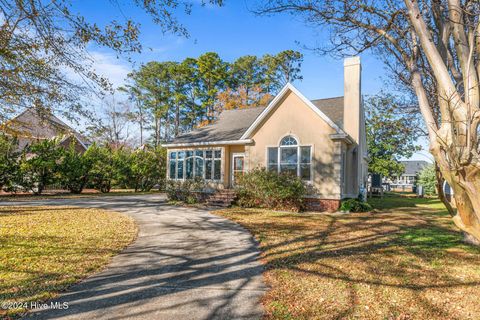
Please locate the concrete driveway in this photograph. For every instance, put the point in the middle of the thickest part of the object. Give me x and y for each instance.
(185, 264)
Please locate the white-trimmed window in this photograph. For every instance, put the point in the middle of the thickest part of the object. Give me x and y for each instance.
(189, 164)
(291, 158)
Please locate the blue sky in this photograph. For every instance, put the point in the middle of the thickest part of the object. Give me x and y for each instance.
(231, 31)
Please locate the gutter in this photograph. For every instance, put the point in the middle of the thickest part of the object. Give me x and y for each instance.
(210, 143)
(342, 136)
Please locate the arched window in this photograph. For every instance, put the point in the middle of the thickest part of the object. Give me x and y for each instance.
(288, 141)
(290, 158)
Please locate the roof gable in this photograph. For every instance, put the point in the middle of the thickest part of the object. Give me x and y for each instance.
(233, 126)
(271, 107)
(35, 124)
(412, 167)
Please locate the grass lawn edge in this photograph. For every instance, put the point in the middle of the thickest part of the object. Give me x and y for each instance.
(101, 259)
(417, 255)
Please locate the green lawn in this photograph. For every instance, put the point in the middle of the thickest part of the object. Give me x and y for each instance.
(43, 250)
(406, 200)
(405, 260)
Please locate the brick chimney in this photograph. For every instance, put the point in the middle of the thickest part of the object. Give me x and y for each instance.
(353, 113)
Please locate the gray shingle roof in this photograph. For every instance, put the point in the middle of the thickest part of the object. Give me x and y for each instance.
(232, 124)
(34, 124)
(412, 167)
(332, 107)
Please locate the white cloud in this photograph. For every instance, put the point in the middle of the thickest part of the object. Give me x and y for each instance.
(110, 67)
(106, 65)
(103, 64)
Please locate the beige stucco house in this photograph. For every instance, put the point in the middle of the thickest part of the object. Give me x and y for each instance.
(322, 141)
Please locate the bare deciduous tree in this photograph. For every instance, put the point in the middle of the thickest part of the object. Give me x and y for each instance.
(113, 125)
(433, 48)
(43, 49)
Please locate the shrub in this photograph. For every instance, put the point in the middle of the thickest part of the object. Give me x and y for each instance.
(74, 170)
(39, 165)
(147, 168)
(187, 191)
(355, 205)
(427, 178)
(268, 189)
(8, 161)
(122, 158)
(102, 171)
(140, 169)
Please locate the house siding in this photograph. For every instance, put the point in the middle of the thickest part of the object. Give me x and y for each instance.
(229, 150)
(293, 117)
(351, 180)
(337, 168)
(334, 163)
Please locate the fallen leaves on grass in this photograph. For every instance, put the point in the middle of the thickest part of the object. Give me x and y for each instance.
(46, 249)
(406, 261)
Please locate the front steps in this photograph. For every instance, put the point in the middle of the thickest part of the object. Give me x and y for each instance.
(222, 198)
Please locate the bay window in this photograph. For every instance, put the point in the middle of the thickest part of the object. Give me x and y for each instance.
(189, 164)
(290, 158)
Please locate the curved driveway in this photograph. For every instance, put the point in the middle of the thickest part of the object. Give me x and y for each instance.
(185, 264)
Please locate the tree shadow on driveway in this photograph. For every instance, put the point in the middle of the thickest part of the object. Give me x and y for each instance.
(185, 263)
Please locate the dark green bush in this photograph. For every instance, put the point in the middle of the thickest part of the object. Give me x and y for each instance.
(122, 167)
(74, 170)
(39, 165)
(188, 191)
(45, 163)
(102, 171)
(355, 205)
(267, 189)
(9, 165)
(147, 168)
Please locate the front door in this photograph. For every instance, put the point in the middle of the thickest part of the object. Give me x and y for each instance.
(238, 166)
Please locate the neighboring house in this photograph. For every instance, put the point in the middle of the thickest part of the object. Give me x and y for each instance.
(322, 141)
(35, 124)
(408, 179)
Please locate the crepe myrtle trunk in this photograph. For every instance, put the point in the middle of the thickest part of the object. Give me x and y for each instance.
(432, 48)
(441, 194)
(453, 140)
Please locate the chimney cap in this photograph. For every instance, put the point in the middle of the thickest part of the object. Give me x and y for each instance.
(351, 61)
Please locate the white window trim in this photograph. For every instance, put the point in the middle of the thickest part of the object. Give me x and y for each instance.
(232, 164)
(210, 143)
(193, 157)
(298, 146)
(286, 134)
